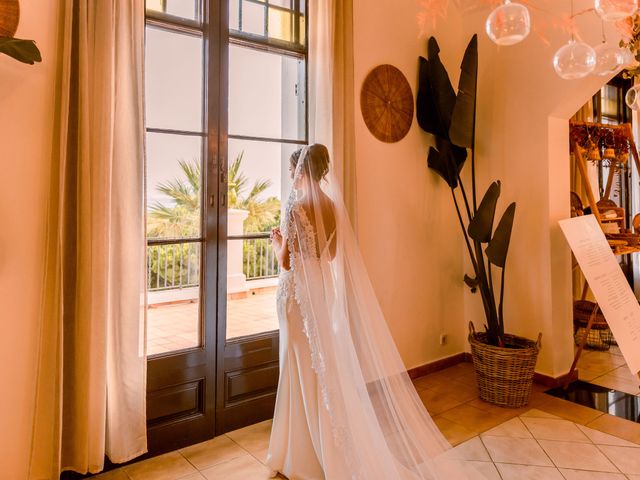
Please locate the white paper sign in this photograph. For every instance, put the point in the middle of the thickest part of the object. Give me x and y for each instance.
(608, 284)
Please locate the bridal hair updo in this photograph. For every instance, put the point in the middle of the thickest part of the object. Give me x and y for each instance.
(316, 160)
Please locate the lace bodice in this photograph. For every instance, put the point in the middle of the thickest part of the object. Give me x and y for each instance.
(297, 246)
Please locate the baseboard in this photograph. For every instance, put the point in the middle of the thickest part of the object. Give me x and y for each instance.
(441, 364)
(436, 365)
(553, 382)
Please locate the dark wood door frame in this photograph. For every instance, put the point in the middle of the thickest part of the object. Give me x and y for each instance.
(247, 373)
(181, 385)
(247, 367)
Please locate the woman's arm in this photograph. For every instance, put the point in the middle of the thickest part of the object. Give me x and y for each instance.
(281, 247)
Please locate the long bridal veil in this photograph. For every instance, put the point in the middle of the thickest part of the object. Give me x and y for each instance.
(377, 419)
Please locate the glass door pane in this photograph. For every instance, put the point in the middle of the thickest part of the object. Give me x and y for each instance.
(173, 80)
(174, 184)
(173, 293)
(182, 9)
(258, 186)
(270, 104)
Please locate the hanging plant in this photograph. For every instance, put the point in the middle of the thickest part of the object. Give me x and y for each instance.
(24, 51)
(631, 31)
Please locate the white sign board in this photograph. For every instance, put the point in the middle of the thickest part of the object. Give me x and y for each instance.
(608, 284)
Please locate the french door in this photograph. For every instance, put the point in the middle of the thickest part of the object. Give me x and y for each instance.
(183, 45)
(225, 108)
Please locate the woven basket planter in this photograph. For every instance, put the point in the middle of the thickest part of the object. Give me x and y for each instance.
(504, 375)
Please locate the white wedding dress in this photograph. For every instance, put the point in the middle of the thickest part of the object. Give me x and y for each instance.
(346, 408)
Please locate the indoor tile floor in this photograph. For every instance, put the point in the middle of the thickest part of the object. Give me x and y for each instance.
(608, 369)
(548, 439)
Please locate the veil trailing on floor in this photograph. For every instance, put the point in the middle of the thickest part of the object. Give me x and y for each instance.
(377, 419)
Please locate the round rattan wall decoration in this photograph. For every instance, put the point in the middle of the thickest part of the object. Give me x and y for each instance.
(386, 101)
(9, 17)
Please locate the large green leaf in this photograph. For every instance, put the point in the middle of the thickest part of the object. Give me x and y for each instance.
(436, 97)
(425, 104)
(481, 225)
(24, 51)
(499, 245)
(447, 160)
(463, 120)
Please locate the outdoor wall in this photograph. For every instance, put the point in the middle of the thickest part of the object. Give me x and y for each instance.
(26, 126)
(408, 231)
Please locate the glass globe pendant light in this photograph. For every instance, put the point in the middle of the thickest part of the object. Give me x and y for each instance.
(508, 24)
(609, 57)
(575, 59)
(613, 10)
(632, 98)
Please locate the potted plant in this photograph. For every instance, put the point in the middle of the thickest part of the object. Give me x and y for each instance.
(504, 363)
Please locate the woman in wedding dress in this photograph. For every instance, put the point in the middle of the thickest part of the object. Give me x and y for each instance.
(345, 408)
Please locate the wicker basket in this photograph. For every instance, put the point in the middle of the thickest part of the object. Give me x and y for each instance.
(600, 337)
(504, 375)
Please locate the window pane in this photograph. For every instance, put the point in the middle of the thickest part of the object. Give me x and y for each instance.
(253, 18)
(234, 14)
(173, 185)
(252, 267)
(281, 25)
(266, 94)
(173, 296)
(609, 101)
(174, 90)
(263, 164)
(281, 3)
(252, 309)
(187, 9)
(285, 24)
(302, 31)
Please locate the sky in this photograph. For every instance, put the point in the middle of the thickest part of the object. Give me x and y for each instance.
(262, 103)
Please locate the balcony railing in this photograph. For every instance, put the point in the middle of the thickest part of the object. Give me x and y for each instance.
(258, 258)
(176, 266)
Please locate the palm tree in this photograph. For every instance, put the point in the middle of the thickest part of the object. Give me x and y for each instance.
(263, 214)
(182, 217)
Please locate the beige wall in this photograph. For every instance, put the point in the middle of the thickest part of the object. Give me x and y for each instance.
(407, 229)
(410, 239)
(408, 232)
(527, 147)
(26, 126)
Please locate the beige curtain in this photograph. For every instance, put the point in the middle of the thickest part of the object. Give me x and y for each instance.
(331, 85)
(90, 382)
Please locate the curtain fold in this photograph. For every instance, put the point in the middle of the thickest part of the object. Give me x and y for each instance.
(91, 373)
(331, 90)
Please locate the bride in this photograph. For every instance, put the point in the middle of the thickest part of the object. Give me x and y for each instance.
(346, 408)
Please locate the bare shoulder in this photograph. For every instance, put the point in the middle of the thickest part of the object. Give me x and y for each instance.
(327, 213)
